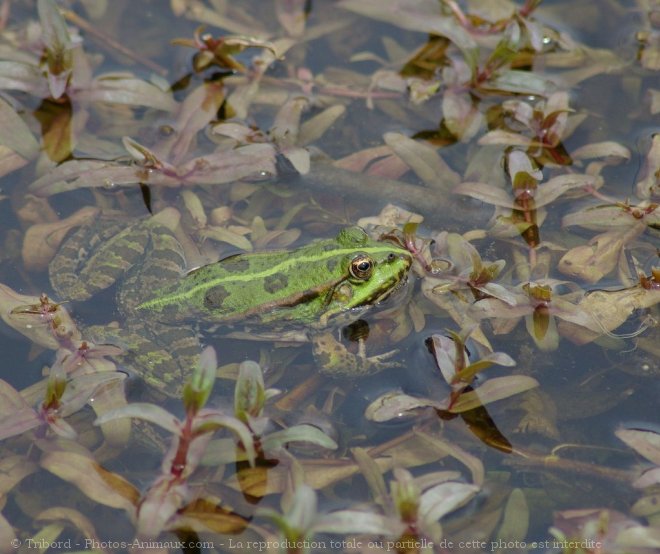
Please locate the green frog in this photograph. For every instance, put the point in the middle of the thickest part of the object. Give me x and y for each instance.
(293, 295)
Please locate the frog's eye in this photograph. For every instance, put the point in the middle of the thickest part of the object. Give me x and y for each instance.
(361, 267)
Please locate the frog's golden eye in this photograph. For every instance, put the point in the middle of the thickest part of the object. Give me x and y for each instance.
(361, 267)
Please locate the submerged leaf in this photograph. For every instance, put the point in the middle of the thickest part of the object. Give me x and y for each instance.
(15, 134)
(144, 411)
(41, 241)
(423, 160)
(304, 433)
(123, 89)
(603, 311)
(203, 515)
(593, 261)
(13, 469)
(493, 390)
(423, 16)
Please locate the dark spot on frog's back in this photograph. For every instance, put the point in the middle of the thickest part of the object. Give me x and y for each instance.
(215, 297)
(274, 283)
(237, 263)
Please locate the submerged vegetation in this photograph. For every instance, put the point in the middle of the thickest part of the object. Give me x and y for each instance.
(504, 147)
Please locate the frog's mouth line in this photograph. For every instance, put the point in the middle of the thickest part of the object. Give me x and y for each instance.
(392, 291)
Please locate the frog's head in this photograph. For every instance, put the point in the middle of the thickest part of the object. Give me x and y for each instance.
(372, 271)
(374, 274)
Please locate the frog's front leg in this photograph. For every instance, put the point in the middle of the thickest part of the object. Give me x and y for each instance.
(335, 359)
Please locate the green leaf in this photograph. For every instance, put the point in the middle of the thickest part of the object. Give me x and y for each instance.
(58, 46)
(249, 392)
(197, 389)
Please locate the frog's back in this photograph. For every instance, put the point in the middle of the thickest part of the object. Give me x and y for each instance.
(275, 285)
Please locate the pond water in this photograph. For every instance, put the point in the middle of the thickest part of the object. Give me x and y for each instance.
(499, 394)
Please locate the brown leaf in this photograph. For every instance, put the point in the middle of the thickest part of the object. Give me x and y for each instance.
(41, 241)
(593, 261)
(203, 515)
(56, 129)
(102, 486)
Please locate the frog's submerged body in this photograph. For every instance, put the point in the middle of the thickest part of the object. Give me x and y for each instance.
(293, 295)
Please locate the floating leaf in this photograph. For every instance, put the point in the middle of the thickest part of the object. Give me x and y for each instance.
(485, 193)
(249, 392)
(354, 521)
(43, 322)
(75, 174)
(102, 486)
(598, 258)
(58, 46)
(438, 501)
(308, 434)
(607, 149)
(41, 241)
(73, 517)
(21, 76)
(638, 536)
(123, 89)
(209, 420)
(159, 505)
(421, 16)
(146, 412)
(648, 186)
(203, 515)
(646, 443)
(199, 108)
(461, 115)
(395, 405)
(520, 82)
(15, 134)
(493, 390)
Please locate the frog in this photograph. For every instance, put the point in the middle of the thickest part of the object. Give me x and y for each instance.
(298, 295)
